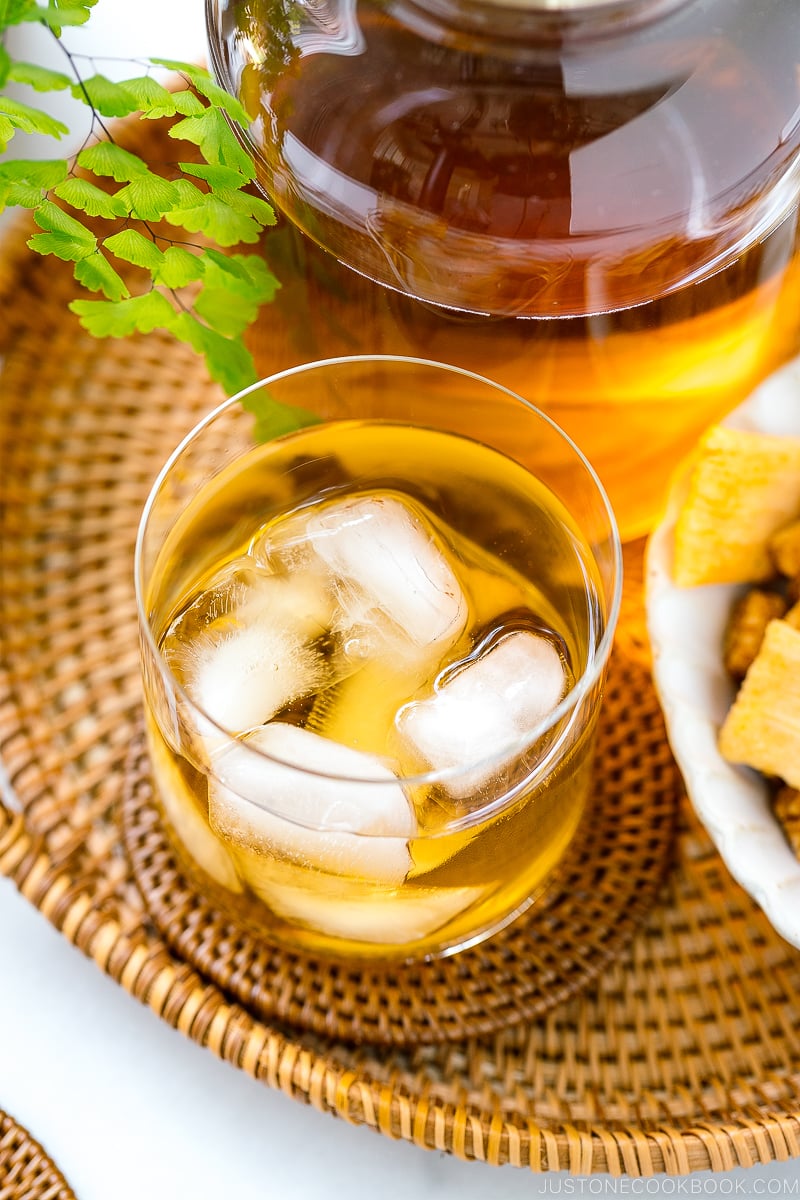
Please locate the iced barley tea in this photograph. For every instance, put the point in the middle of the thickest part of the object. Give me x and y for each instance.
(597, 207)
(330, 601)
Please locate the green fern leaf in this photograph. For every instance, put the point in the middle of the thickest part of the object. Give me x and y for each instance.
(204, 83)
(254, 281)
(217, 220)
(188, 104)
(89, 198)
(216, 140)
(227, 311)
(150, 97)
(229, 361)
(96, 273)
(23, 182)
(57, 19)
(190, 70)
(38, 172)
(232, 264)
(30, 120)
(232, 288)
(187, 195)
(14, 12)
(104, 158)
(147, 197)
(65, 237)
(62, 245)
(178, 267)
(49, 216)
(216, 177)
(109, 318)
(7, 132)
(39, 78)
(109, 99)
(221, 99)
(133, 247)
(66, 12)
(19, 195)
(251, 206)
(55, 14)
(274, 419)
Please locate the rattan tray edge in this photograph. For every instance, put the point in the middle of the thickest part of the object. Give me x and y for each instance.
(177, 994)
(26, 1170)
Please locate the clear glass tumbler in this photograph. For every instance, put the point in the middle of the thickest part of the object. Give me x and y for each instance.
(373, 654)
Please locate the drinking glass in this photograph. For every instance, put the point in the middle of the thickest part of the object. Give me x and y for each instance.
(373, 654)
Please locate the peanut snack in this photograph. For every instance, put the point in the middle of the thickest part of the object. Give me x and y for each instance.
(784, 550)
(762, 729)
(746, 628)
(787, 809)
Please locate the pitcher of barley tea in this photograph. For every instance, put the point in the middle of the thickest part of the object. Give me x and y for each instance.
(593, 202)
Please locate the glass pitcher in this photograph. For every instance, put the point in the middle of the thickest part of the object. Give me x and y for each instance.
(594, 202)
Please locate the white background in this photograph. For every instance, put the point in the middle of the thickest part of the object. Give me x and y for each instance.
(128, 1107)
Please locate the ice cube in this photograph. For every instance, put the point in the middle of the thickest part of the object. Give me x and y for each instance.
(282, 545)
(181, 811)
(244, 649)
(482, 708)
(522, 670)
(385, 557)
(336, 809)
(393, 920)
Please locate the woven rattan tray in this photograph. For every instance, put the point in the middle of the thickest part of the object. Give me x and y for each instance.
(684, 1053)
(26, 1172)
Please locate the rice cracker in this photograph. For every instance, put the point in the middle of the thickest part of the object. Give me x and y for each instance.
(743, 487)
(762, 729)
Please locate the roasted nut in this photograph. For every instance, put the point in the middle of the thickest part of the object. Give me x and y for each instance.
(784, 550)
(746, 627)
(786, 806)
(792, 617)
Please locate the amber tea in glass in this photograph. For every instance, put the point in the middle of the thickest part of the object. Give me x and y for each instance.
(373, 654)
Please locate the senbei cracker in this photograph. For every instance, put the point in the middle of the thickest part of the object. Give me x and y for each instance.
(762, 729)
(743, 488)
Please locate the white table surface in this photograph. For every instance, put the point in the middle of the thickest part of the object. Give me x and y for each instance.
(129, 1108)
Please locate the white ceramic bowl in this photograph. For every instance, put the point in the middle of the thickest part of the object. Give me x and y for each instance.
(686, 627)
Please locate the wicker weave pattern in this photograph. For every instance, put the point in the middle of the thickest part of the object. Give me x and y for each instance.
(26, 1173)
(684, 1055)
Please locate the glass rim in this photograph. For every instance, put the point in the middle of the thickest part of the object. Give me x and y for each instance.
(598, 654)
